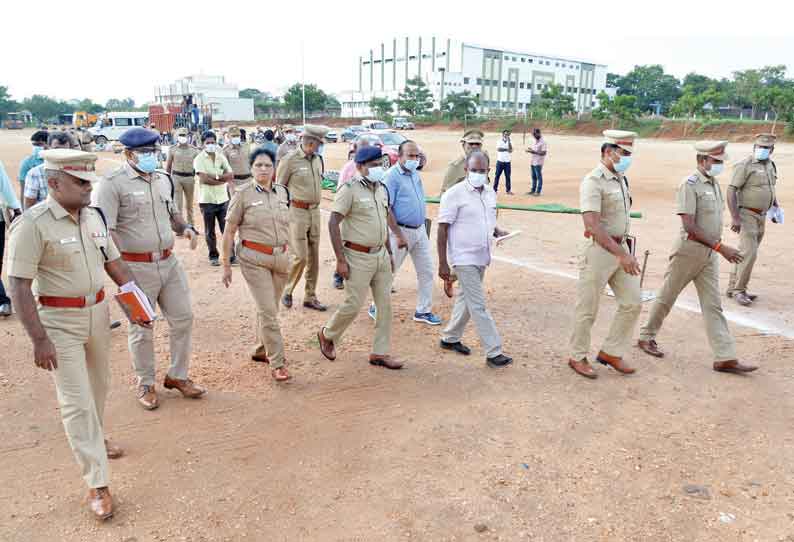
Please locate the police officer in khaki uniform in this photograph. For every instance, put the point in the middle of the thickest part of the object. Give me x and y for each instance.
(363, 256)
(606, 258)
(301, 171)
(259, 211)
(695, 259)
(290, 142)
(137, 201)
(58, 250)
(180, 167)
(456, 172)
(236, 152)
(750, 195)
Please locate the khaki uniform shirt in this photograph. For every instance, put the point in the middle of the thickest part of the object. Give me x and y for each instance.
(701, 197)
(284, 149)
(262, 215)
(302, 175)
(364, 206)
(138, 211)
(607, 193)
(755, 183)
(182, 162)
(238, 158)
(64, 256)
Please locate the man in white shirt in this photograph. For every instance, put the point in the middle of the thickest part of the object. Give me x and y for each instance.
(504, 152)
(466, 228)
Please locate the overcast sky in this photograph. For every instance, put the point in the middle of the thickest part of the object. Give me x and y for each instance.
(108, 49)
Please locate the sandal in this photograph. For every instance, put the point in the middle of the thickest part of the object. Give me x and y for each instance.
(281, 374)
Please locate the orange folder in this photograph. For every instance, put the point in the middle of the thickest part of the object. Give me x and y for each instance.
(134, 307)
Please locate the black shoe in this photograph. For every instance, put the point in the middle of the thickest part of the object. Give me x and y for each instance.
(287, 300)
(339, 282)
(458, 347)
(498, 361)
(214, 262)
(115, 323)
(233, 260)
(5, 309)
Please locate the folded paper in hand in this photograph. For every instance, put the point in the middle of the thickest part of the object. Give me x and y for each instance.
(775, 214)
(499, 240)
(135, 304)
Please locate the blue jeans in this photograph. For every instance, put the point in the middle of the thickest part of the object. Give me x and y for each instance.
(537, 179)
(507, 169)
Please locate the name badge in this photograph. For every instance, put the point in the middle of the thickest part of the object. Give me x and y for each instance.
(141, 193)
(255, 203)
(99, 235)
(303, 168)
(68, 240)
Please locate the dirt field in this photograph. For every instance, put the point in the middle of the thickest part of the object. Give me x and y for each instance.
(446, 449)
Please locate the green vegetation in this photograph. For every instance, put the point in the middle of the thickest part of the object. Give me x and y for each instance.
(382, 107)
(416, 99)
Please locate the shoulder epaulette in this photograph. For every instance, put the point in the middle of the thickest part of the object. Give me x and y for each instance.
(37, 210)
(692, 179)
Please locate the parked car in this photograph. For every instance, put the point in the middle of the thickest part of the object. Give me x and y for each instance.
(332, 136)
(393, 140)
(388, 144)
(402, 123)
(373, 124)
(110, 126)
(351, 132)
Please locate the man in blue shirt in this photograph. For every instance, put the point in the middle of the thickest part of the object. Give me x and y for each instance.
(39, 141)
(9, 201)
(407, 202)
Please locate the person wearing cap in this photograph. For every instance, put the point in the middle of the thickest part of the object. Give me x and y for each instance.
(456, 170)
(751, 194)
(605, 257)
(39, 142)
(180, 166)
(695, 258)
(138, 203)
(301, 171)
(8, 201)
(86, 139)
(259, 212)
(36, 186)
(290, 142)
(236, 152)
(215, 176)
(359, 231)
(63, 245)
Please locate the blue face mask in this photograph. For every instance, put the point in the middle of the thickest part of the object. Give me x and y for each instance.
(147, 162)
(761, 153)
(321, 150)
(411, 165)
(623, 164)
(37, 150)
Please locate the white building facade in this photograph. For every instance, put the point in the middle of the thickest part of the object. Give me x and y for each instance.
(501, 79)
(208, 90)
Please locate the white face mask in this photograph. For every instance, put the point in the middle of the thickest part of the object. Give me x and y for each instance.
(292, 138)
(209, 147)
(716, 169)
(376, 173)
(477, 180)
(235, 141)
(181, 140)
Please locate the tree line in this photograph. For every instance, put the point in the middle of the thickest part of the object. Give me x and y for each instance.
(45, 108)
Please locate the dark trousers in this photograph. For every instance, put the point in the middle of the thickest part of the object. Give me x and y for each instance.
(507, 169)
(537, 179)
(213, 212)
(3, 297)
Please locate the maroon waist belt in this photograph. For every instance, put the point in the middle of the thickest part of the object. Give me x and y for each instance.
(70, 302)
(362, 248)
(264, 249)
(145, 256)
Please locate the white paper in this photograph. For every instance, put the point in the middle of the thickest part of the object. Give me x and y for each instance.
(776, 213)
(499, 240)
(131, 287)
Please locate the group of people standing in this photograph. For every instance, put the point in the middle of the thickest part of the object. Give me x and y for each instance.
(267, 206)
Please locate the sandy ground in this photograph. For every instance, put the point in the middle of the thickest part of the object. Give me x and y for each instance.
(446, 449)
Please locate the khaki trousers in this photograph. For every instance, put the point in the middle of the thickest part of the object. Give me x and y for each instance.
(266, 276)
(597, 268)
(753, 227)
(184, 187)
(371, 271)
(82, 344)
(304, 244)
(165, 284)
(696, 263)
(470, 304)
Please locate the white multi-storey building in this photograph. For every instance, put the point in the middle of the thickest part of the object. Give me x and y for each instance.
(208, 90)
(501, 79)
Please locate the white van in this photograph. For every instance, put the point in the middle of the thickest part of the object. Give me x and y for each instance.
(110, 126)
(373, 124)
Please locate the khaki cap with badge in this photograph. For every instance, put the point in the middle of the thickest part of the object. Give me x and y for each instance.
(76, 163)
(472, 136)
(181, 132)
(234, 131)
(714, 149)
(621, 138)
(765, 140)
(315, 131)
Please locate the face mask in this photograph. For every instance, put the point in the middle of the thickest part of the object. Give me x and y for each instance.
(761, 153)
(292, 138)
(181, 140)
(37, 149)
(477, 179)
(411, 165)
(623, 164)
(715, 169)
(321, 150)
(147, 161)
(209, 147)
(235, 141)
(376, 173)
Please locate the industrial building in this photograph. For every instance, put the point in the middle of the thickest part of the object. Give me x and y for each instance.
(502, 79)
(207, 91)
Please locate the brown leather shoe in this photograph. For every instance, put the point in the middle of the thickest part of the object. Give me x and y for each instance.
(743, 299)
(281, 374)
(614, 362)
(582, 367)
(260, 355)
(733, 366)
(187, 387)
(147, 397)
(650, 347)
(315, 305)
(385, 361)
(113, 451)
(101, 503)
(326, 346)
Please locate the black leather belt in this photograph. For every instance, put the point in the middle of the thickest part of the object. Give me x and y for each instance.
(409, 227)
(241, 177)
(183, 173)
